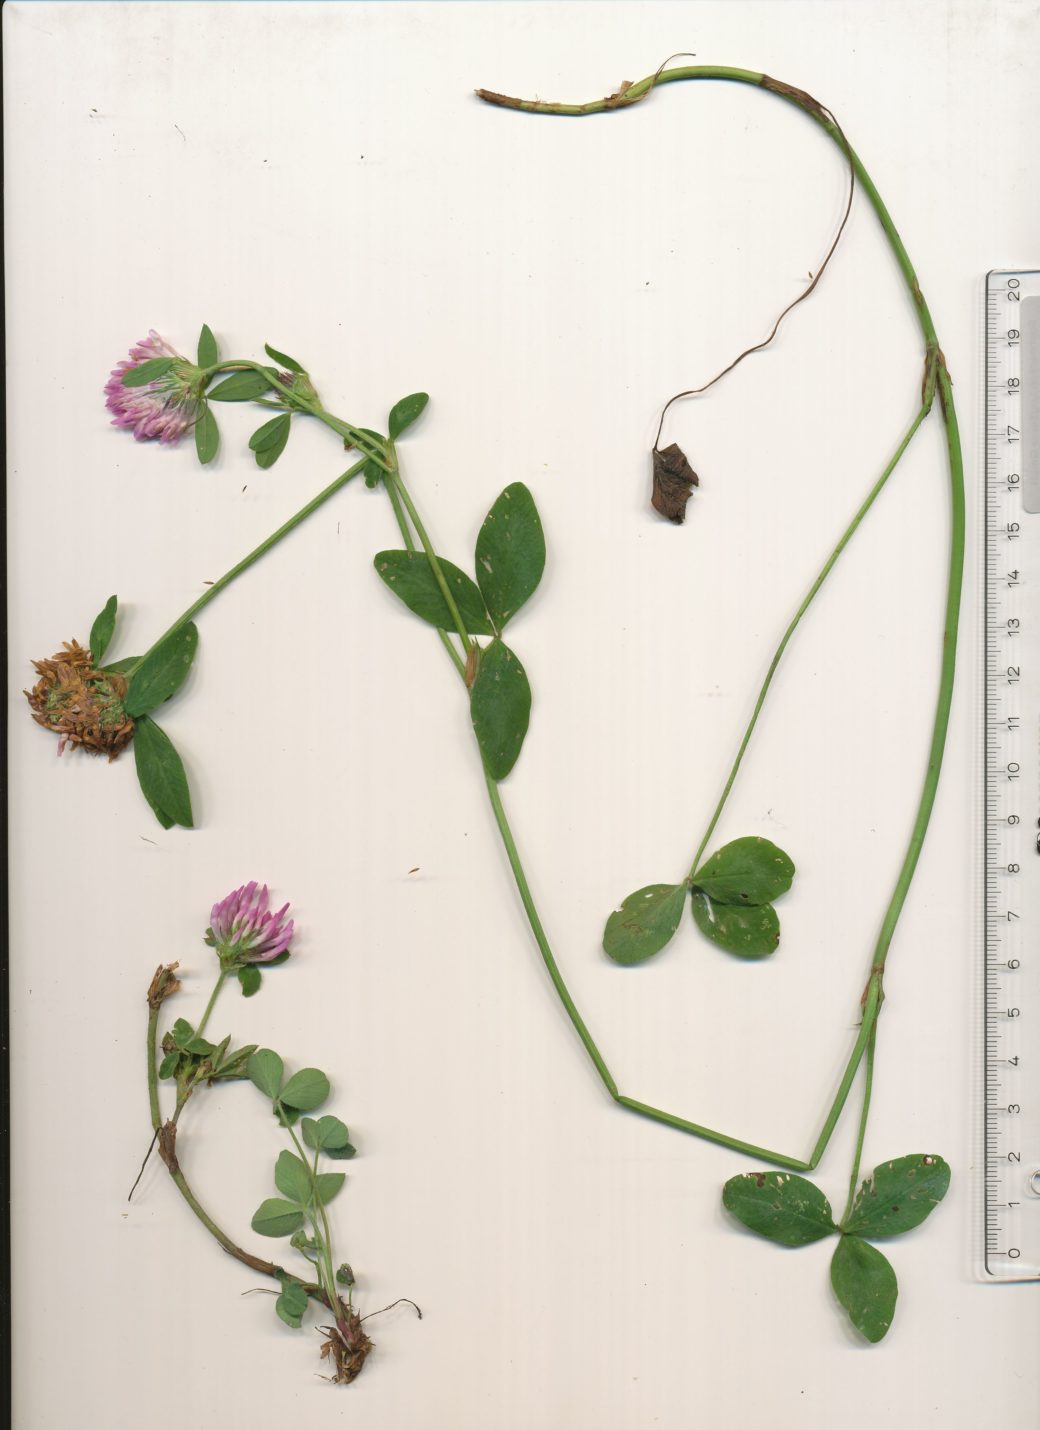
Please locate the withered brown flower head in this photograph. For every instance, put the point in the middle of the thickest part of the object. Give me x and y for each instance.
(83, 706)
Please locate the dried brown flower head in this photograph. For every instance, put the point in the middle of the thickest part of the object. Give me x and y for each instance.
(83, 706)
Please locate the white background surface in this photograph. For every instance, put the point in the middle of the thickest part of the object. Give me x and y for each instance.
(319, 176)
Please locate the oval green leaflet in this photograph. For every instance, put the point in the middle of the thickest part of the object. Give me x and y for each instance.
(102, 630)
(161, 774)
(163, 670)
(748, 932)
(779, 1206)
(747, 871)
(510, 554)
(644, 923)
(500, 708)
(412, 579)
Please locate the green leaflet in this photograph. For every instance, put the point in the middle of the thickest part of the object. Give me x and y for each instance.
(897, 1196)
(240, 387)
(163, 671)
(208, 352)
(780, 1206)
(866, 1286)
(405, 412)
(207, 435)
(292, 1178)
(327, 1185)
(268, 441)
(326, 1132)
(747, 871)
(265, 1071)
(500, 708)
(411, 578)
(120, 667)
(249, 978)
(276, 1217)
(305, 1090)
(283, 359)
(161, 774)
(747, 932)
(510, 555)
(291, 1304)
(102, 630)
(644, 923)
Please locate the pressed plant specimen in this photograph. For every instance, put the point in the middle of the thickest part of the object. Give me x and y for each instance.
(731, 890)
(247, 935)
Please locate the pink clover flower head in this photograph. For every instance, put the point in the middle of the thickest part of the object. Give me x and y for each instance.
(243, 929)
(163, 409)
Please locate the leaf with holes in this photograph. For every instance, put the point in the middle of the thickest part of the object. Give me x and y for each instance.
(779, 1206)
(897, 1196)
(866, 1286)
(500, 708)
(747, 871)
(747, 932)
(510, 555)
(644, 924)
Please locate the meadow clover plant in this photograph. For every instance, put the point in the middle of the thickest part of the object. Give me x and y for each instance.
(245, 935)
(731, 891)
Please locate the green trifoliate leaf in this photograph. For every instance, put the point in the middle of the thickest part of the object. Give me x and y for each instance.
(866, 1286)
(268, 442)
(305, 1090)
(250, 978)
(168, 1066)
(235, 1066)
(341, 1154)
(292, 1303)
(747, 932)
(265, 1070)
(292, 1178)
(199, 1047)
(162, 672)
(897, 1196)
(780, 1206)
(161, 774)
(644, 923)
(283, 359)
(240, 387)
(145, 372)
(302, 1242)
(324, 1133)
(207, 435)
(411, 578)
(208, 352)
(405, 412)
(328, 1185)
(182, 1032)
(102, 630)
(500, 708)
(276, 1217)
(748, 871)
(510, 553)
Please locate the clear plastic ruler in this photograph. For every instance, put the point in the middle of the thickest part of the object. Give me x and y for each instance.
(1011, 779)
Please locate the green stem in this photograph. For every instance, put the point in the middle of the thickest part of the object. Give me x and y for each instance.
(406, 535)
(247, 561)
(936, 379)
(394, 479)
(324, 1235)
(212, 1000)
(868, 1086)
(825, 571)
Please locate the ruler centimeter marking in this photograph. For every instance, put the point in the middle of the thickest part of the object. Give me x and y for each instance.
(1010, 811)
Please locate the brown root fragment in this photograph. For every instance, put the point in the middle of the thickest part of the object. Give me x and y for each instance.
(346, 1347)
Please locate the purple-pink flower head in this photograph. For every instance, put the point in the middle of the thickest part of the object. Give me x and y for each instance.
(164, 408)
(243, 929)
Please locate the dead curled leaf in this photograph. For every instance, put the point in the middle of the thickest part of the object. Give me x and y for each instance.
(674, 481)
